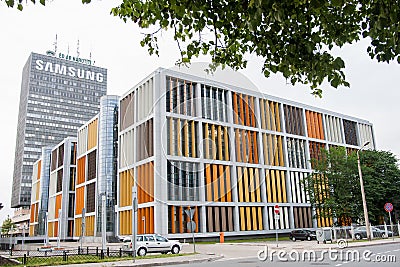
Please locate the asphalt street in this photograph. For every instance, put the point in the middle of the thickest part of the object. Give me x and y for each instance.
(378, 255)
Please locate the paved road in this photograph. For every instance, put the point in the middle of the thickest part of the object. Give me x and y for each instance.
(378, 255)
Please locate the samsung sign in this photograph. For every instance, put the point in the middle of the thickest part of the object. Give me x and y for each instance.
(70, 71)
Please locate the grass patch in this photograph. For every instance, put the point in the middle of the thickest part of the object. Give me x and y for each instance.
(75, 259)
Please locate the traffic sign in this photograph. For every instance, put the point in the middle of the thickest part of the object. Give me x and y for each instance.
(388, 207)
(276, 209)
(189, 212)
(191, 226)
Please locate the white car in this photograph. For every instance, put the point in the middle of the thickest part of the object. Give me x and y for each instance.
(152, 243)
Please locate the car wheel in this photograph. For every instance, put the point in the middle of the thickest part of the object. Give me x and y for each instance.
(293, 239)
(357, 236)
(142, 252)
(383, 235)
(309, 238)
(175, 250)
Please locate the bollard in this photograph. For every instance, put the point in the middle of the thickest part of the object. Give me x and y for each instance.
(97, 251)
(64, 255)
(79, 250)
(108, 252)
(102, 254)
(24, 260)
(221, 237)
(120, 252)
(87, 250)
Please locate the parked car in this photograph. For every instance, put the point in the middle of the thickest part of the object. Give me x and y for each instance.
(302, 234)
(152, 243)
(361, 232)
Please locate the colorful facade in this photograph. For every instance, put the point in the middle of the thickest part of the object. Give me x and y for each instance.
(224, 149)
(62, 189)
(40, 193)
(96, 170)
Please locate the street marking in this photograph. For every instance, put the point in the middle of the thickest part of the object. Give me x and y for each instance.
(387, 251)
(339, 264)
(378, 253)
(396, 250)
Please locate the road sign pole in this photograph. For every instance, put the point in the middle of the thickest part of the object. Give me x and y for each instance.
(134, 220)
(191, 226)
(391, 225)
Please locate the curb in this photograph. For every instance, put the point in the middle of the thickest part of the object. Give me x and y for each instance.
(176, 262)
(372, 244)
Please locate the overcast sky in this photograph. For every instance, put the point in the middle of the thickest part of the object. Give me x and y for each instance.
(373, 94)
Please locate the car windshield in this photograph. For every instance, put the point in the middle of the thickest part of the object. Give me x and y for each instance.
(161, 238)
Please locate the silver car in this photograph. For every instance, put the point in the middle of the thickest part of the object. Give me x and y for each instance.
(152, 243)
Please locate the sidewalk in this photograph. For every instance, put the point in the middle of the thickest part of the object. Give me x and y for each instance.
(197, 258)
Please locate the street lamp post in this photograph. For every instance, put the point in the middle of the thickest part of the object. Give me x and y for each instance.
(366, 219)
(144, 224)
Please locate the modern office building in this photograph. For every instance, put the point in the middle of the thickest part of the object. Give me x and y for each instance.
(217, 144)
(97, 171)
(40, 193)
(58, 94)
(61, 197)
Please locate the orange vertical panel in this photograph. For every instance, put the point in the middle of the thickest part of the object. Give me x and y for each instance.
(246, 103)
(249, 139)
(321, 126)
(241, 109)
(81, 170)
(58, 205)
(228, 184)
(32, 216)
(308, 123)
(196, 218)
(235, 108)
(148, 218)
(208, 182)
(253, 118)
(180, 212)
(39, 169)
(244, 148)
(221, 182)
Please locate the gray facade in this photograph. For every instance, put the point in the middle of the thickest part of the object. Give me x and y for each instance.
(57, 97)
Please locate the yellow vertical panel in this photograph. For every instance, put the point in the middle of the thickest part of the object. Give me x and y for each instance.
(268, 114)
(280, 147)
(238, 151)
(213, 144)
(215, 181)
(226, 142)
(206, 141)
(278, 186)
(228, 184)
(248, 218)
(219, 137)
(240, 183)
(283, 184)
(221, 182)
(255, 147)
(271, 148)
(276, 151)
(194, 141)
(268, 178)
(260, 219)
(171, 136)
(242, 219)
(273, 186)
(208, 182)
(252, 186)
(273, 122)
(178, 132)
(250, 152)
(258, 189)
(246, 185)
(265, 146)
(254, 216)
(277, 118)
(262, 111)
(186, 133)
